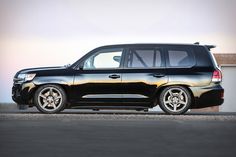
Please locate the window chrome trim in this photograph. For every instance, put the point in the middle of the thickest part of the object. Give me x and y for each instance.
(114, 96)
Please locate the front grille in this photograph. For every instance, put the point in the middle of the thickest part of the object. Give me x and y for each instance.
(16, 90)
(17, 81)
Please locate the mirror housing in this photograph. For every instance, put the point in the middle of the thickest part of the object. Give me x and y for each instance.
(81, 66)
(117, 58)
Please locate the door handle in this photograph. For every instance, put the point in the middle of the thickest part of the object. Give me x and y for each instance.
(114, 76)
(158, 75)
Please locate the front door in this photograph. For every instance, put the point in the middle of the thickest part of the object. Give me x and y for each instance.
(99, 79)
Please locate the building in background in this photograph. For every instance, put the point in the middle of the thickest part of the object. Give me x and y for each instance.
(227, 62)
(225, 58)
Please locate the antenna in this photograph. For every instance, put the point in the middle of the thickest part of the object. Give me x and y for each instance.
(196, 43)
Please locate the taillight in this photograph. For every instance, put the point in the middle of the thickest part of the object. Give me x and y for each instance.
(217, 76)
(222, 95)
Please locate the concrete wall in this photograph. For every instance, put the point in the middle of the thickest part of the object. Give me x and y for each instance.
(229, 84)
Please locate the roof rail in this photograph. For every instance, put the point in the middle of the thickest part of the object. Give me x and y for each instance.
(209, 47)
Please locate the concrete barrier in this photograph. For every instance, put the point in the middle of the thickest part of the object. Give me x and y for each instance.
(8, 106)
(206, 109)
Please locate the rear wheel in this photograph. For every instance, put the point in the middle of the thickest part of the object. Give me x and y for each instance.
(50, 99)
(175, 100)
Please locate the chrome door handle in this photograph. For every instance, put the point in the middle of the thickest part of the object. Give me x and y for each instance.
(114, 76)
(158, 75)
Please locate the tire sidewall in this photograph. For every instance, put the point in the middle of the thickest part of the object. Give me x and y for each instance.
(166, 110)
(60, 108)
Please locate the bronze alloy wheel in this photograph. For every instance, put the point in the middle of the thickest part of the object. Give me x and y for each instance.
(175, 100)
(50, 99)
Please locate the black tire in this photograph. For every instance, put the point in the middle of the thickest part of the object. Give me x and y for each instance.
(58, 91)
(168, 100)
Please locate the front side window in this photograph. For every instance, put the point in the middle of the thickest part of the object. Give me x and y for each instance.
(107, 58)
(180, 58)
(144, 58)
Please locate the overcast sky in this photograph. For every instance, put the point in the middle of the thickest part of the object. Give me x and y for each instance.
(56, 32)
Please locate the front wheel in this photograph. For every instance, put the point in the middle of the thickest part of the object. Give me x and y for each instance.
(50, 99)
(175, 100)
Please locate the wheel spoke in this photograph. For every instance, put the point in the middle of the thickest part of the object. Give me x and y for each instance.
(180, 93)
(170, 92)
(175, 107)
(50, 91)
(43, 96)
(56, 98)
(182, 102)
(167, 102)
(53, 105)
(45, 104)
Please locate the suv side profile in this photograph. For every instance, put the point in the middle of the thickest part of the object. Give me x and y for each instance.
(177, 77)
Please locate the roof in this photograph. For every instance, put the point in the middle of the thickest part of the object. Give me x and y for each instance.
(150, 44)
(225, 58)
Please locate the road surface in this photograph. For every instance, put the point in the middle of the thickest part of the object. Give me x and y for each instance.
(116, 134)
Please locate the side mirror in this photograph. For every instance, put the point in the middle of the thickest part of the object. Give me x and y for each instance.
(81, 66)
(117, 58)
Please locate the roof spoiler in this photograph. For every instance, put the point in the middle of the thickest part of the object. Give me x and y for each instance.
(209, 47)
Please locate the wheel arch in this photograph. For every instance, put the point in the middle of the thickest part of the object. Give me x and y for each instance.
(160, 89)
(61, 85)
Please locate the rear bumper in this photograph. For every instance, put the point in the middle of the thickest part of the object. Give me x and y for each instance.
(212, 95)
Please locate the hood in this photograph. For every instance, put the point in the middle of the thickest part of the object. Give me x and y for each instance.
(40, 69)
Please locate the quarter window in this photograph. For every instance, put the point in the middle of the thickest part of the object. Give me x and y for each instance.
(144, 58)
(180, 58)
(109, 58)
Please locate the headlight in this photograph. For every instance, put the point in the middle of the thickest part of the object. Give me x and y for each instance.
(26, 77)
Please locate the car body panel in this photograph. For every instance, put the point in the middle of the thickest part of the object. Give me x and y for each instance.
(142, 82)
(188, 76)
(91, 85)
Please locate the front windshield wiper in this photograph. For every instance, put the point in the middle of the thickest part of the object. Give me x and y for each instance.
(67, 65)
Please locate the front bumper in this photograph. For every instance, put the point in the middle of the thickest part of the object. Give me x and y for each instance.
(22, 93)
(212, 95)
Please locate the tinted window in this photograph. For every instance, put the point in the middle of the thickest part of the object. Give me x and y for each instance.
(203, 57)
(109, 58)
(180, 58)
(144, 58)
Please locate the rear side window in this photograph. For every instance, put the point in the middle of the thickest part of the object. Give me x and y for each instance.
(203, 57)
(180, 58)
(144, 58)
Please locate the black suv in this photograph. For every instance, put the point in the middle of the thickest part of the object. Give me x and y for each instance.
(177, 77)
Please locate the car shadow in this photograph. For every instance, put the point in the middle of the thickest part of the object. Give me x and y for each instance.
(118, 112)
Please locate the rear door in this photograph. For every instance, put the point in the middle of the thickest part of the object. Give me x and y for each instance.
(181, 69)
(143, 73)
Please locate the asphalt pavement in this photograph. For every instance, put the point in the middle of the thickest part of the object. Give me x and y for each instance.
(116, 134)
